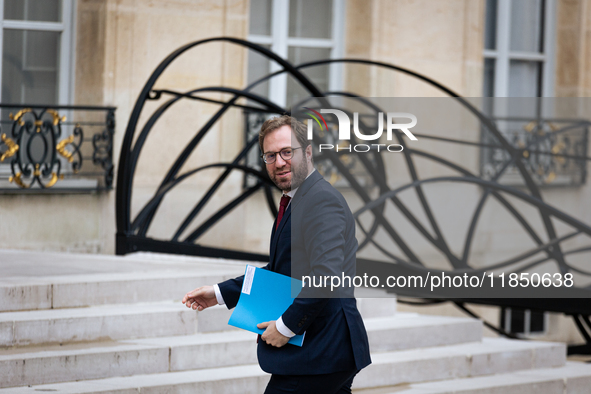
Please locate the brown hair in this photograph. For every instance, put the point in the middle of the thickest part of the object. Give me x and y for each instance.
(273, 124)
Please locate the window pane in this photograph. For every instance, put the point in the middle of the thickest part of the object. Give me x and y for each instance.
(537, 322)
(318, 75)
(526, 25)
(524, 78)
(490, 30)
(517, 321)
(260, 17)
(30, 67)
(33, 10)
(310, 18)
(258, 66)
(488, 90)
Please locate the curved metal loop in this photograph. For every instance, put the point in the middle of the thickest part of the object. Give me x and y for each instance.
(125, 177)
(166, 188)
(487, 184)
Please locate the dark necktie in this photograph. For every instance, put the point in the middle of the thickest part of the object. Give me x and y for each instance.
(282, 207)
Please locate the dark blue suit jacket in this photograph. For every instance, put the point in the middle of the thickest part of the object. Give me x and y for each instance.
(317, 234)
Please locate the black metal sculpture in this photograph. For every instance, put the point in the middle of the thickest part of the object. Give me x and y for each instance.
(524, 156)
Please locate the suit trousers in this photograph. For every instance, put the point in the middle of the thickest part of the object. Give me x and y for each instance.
(331, 383)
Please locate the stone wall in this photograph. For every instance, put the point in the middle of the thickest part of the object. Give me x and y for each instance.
(444, 44)
(573, 48)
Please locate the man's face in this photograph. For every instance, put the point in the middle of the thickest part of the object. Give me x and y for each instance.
(286, 174)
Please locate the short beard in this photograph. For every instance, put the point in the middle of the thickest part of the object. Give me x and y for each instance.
(299, 174)
(285, 188)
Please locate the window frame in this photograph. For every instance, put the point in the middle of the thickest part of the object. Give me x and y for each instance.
(66, 59)
(527, 333)
(280, 43)
(503, 55)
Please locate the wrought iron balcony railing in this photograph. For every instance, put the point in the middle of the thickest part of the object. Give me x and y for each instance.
(63, 149)
(553, 150)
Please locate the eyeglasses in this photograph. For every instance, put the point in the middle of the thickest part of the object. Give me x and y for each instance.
(286, 154)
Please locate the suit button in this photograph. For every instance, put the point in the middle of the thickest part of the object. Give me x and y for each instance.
(300, 324)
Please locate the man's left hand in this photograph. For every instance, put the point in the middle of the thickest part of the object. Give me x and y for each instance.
(271, 336)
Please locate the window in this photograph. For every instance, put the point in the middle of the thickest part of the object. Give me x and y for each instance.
(35, 41)
(299, 31)
(519, 51)
(519, 48)
(523, 322)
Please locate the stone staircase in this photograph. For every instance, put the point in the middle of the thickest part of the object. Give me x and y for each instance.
(105, 324)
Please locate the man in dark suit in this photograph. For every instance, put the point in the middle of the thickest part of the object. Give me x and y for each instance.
(314, 235)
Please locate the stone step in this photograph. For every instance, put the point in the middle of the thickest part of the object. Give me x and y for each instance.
(392, 368)
(375, 304)
(148, 282)
(22, 328)
(572, 378)
(412, 331)
(108, 322)
(385, 334)
(239, 379)
(66, 363)
(24, 366)
(143, 277)
(125, 358)
(491, 356)
(123, 321)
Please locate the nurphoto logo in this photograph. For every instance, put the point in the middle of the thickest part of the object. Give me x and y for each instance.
(345, 130)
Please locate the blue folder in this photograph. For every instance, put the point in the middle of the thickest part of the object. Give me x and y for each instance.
(265, 296)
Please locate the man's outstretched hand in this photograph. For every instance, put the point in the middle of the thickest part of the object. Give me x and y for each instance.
(272, 336)
(200, 298)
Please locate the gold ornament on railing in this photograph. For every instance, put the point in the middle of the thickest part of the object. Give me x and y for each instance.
(19, 116)
(12, 147)
(61, 148)
(50, 129)
(17, 179)
(37, 123)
